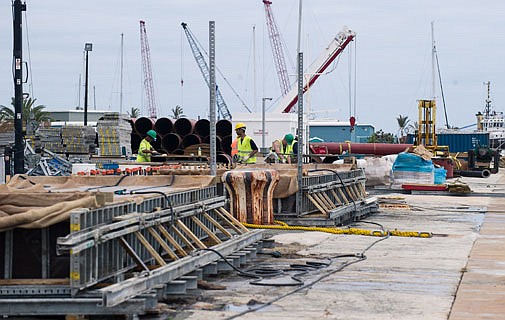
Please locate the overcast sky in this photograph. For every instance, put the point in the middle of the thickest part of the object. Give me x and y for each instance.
(393, 54)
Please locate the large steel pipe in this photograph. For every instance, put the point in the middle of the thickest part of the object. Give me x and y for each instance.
(157, 144)
(224, 128)
(226, 144)
(143, 124)
(218, 142)
(202, 127)
(190, 140)
(171, 142)
(476, 174)
(135, 142)
(223, 158)
(378, 149)
(164, 126)
(184, 126)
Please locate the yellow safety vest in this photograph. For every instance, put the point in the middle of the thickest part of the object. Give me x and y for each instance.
(141, 156)
(289, 148)
(244, 149)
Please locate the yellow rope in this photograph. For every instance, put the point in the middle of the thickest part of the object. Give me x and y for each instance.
(362, 232)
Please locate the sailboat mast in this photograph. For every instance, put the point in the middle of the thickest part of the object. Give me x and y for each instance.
(433, 57)
(121, 79)
(254, 69)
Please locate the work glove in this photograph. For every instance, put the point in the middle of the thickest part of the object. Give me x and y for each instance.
(245, 159)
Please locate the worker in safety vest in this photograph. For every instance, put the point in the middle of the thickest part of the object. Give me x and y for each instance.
(145, 148)
(246, 148)
(282, 150)
(234, 147)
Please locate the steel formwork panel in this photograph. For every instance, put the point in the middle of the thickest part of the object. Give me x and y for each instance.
(328, 198)
(100, 255)
(96, 254)
(331, 181)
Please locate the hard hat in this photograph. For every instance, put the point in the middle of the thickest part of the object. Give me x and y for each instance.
(240, 125)
(289, 138)
(152, 134)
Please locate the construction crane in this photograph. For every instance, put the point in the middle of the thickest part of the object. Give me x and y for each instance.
(278, 54)
(204, 68)
(336, 46)
(147, 71)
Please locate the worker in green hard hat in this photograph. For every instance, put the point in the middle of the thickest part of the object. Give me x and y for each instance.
(282, 149)
(145, 148)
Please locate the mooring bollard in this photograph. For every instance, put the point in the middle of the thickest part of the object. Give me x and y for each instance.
(251, 194)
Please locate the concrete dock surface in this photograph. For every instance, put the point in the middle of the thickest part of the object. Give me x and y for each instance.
(459, 273)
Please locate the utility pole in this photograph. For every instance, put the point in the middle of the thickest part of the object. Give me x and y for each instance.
(263, 146)
(87, 48)
(19, 148)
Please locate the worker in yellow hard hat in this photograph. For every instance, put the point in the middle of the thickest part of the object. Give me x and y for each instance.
(282, 149)
(246, 148)
(145, 148)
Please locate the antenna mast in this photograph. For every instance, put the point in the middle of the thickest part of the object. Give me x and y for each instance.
(487, 109)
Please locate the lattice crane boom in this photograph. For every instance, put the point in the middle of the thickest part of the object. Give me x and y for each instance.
(277, 52)
(147, 71)
(288, 103)
(204, 69)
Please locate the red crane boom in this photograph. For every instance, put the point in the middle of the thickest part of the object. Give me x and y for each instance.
(147, 71)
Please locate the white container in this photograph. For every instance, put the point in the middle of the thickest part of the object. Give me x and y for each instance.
(83, 167)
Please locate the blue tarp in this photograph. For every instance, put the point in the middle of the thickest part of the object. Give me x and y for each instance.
(412, 162)
(440, 174)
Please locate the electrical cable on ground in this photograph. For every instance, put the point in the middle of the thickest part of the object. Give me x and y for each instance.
(360, 257)
(260, 273)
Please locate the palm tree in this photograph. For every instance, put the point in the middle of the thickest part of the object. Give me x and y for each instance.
(30, 114)
(134, 112)
(403, 122)
(177, 112)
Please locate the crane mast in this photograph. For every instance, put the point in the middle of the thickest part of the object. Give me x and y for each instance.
(147, 71)
(336, 46)
(204, 69)
(277, 52)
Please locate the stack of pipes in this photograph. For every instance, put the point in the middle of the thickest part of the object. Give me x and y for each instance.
(183, 134)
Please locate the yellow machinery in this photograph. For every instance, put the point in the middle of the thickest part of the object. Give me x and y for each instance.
(426, 131)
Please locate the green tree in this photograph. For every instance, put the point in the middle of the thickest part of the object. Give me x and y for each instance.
(381, 137)
(134, 112)
(178, 112)
(31, 113)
